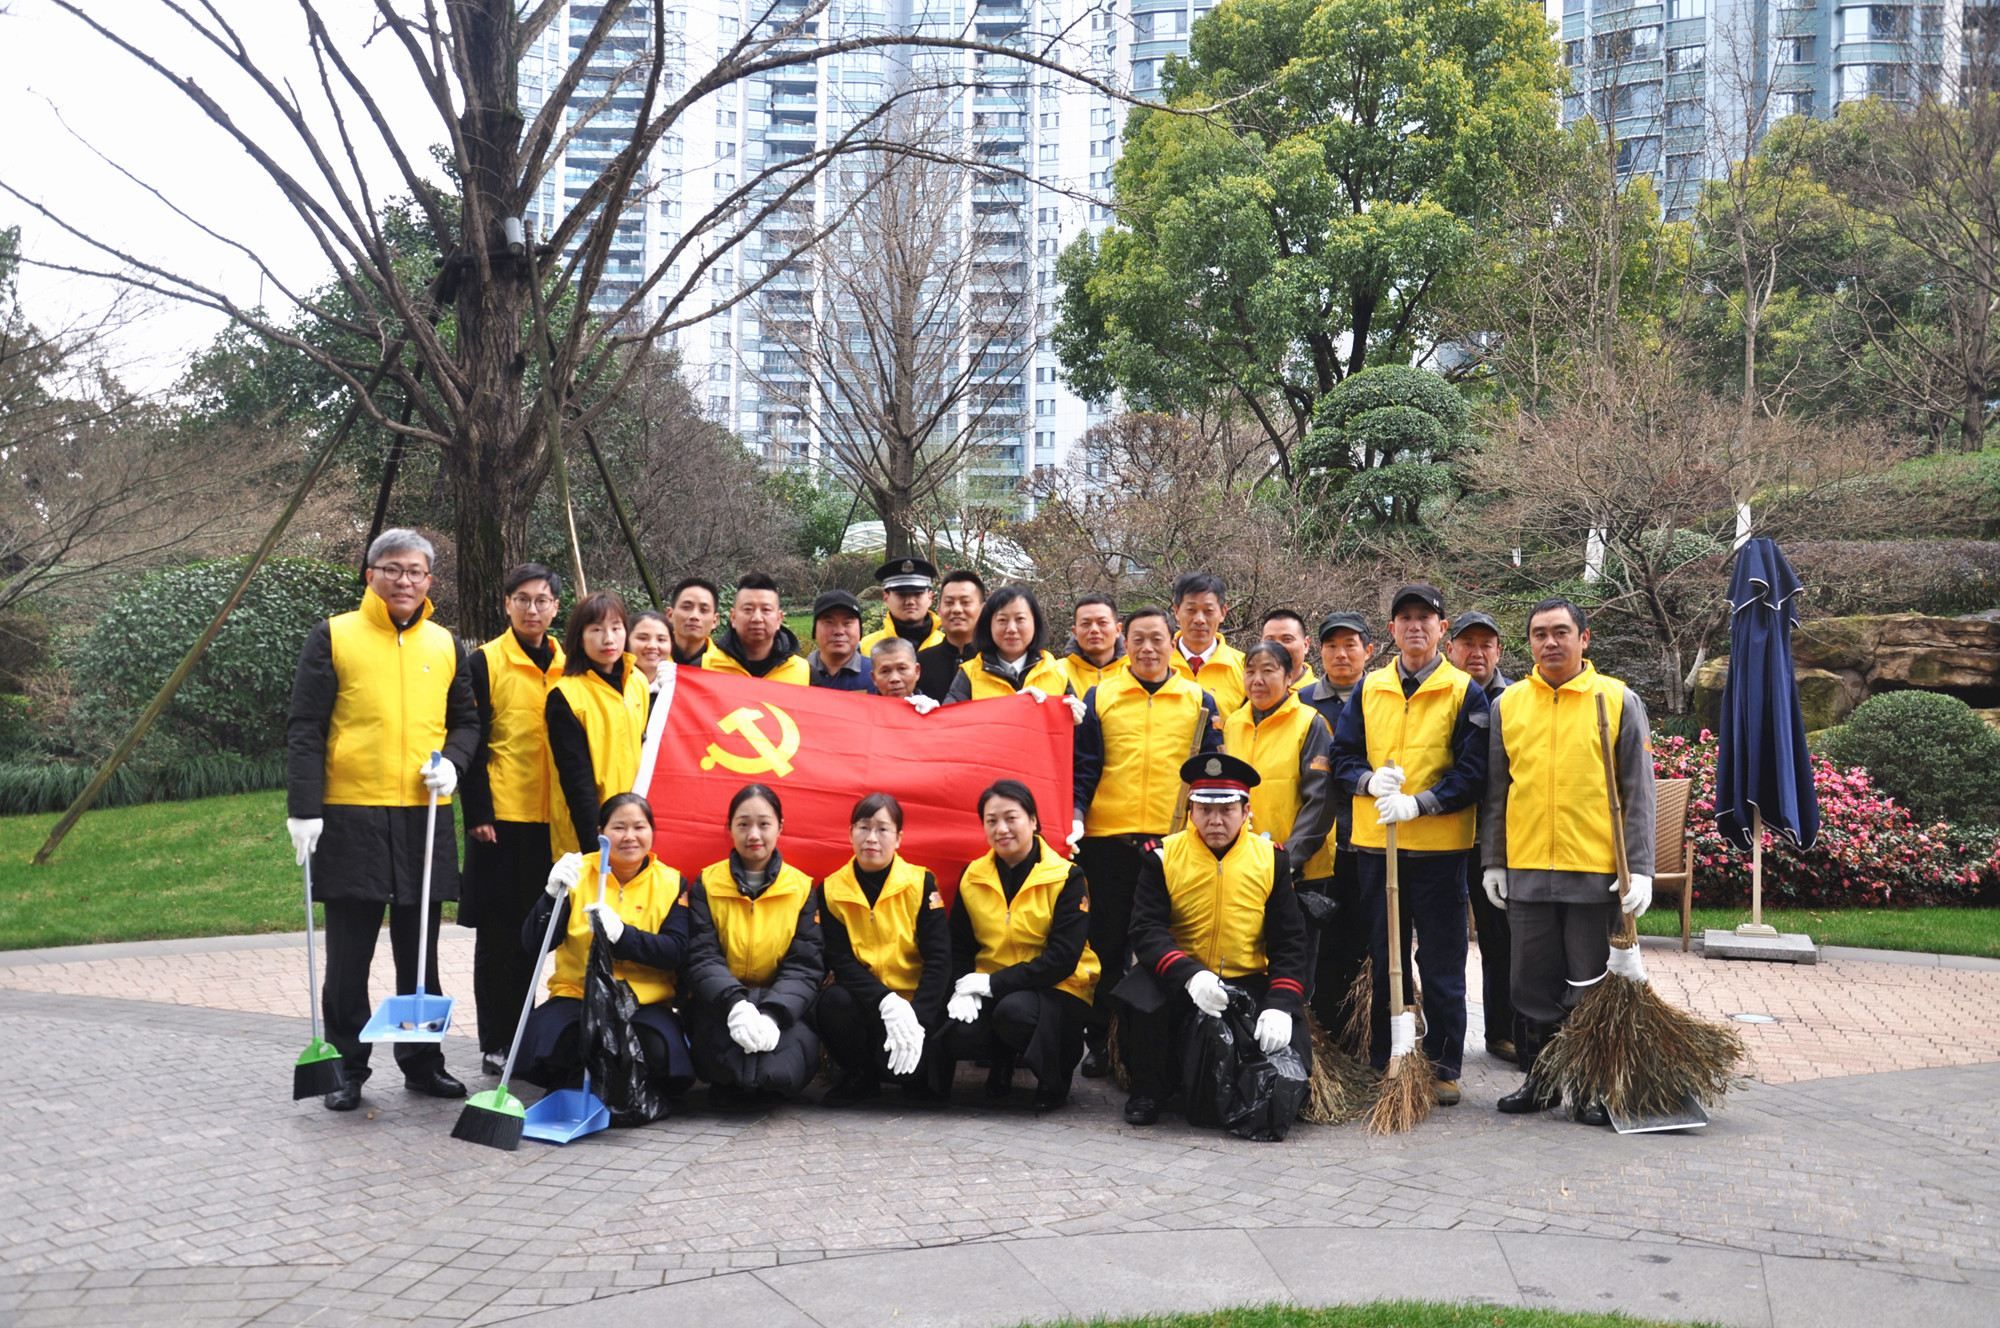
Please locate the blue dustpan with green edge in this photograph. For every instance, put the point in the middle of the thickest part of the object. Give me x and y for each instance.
(568, 1114)
(419, 1017)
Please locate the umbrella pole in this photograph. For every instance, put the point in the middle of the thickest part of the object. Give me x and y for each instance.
(1756, 926)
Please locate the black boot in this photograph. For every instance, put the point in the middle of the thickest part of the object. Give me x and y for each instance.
(1534, 1094)
(1000, 1079)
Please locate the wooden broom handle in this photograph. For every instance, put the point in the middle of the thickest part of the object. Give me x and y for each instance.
(1631, 931)
(1395, 927)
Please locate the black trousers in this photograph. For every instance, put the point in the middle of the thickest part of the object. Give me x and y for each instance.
(1007, 1027)
(505, 878)
(1152, 1042)
(1341, 947)
(1554, 945)
(1496, 956)
(1111, 868)
(1433, 898)
(352, 926)
(852, 1030)
(786, 1069)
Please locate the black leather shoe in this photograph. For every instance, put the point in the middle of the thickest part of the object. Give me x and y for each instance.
(493, 1063)
(1050, 1099)
(1097, 1063)
(1000, 1079)
(1141, 1110)
(434, 1083)
(1594, 1114)
(346, 1097)
(851, 1089)
(1532, 1096)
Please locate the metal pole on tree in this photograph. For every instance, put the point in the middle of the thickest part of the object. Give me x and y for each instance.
(624, 520)
(193, 657)
(551, 409)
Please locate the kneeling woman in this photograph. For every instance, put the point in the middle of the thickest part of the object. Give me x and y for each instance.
(888, 943)
(755, 960)
(1025, 972)
(645, 919)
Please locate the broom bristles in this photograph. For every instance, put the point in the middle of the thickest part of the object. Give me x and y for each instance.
(1340, 1089)
(1626, 1047)
(317, 1079)
(1115, 1056)
(492, 1120)
(1356, 1033)
(1407, 1094)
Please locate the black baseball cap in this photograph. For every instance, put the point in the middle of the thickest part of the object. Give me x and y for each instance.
(1474, 618)
(1420, 592)
(829, 600)
(1343, 621)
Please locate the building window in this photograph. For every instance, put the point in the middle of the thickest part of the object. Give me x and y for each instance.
(718, 373)
(1049, 151)
(1045, 406)
(1683, 166)
(718, 338)
(725, 180)
(1875, 23)
(1573, 52)
(1791, 103)
(1798, 50)
(724, 151)
(718, 406)
(722, 274)
(1639, 154)
(1677, 9)
(1685, 59)
(1145, 75)
(1683, 114)
(1100, 179)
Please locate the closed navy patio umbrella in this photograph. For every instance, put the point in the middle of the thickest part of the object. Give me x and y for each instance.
(1763, 774)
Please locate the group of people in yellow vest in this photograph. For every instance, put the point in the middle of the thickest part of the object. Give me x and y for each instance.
(1233, 813)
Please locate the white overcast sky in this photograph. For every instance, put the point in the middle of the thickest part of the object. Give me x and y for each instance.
(62, 86)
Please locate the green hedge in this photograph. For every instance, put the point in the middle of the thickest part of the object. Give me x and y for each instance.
(27, 790)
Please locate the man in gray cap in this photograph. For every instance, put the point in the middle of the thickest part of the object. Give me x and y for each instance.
(1474, 646)
(838, 662)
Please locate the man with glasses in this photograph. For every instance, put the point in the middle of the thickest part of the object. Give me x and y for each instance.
(377, 691)
(507, 847)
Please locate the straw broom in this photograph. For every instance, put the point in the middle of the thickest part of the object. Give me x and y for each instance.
(1341, 1088)
(1623, 1045)
(1407, 1093)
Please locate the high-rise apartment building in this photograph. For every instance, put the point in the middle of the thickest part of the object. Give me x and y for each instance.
(1044, 147)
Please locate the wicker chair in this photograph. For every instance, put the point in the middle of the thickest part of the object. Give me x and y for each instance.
(1673, 851)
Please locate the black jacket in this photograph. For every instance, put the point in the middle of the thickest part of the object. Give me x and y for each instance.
(706, 976)
(1286, 950)
(1069, 932)
(933, 947)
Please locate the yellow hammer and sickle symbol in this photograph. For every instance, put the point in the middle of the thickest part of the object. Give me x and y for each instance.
(777, 760)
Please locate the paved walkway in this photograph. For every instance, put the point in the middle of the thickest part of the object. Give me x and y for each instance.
(153, 1170)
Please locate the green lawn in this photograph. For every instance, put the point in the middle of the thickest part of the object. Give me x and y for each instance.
(1381, 1314)
(218, 867)
(1966, 931)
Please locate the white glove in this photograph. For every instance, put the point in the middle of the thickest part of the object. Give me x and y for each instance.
(751, 1028)
(974, 984)
(1076, 708)
(964, 1009)
(1036, 692)
(305, 835)
(565, 874)
(1639, 897)
(1402, 1034)
(1393, 807)
(905, 1040)
(1625, 963)
(1206, 991)
(1389, 779)
(440, 776)
(614, 926)
(1494, 881)
(922, 704)
(1075, 833)
(1274, 1031)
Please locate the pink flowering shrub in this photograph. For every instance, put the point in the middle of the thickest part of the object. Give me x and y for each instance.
(1870, 851)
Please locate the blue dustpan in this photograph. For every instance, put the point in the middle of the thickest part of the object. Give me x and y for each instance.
(567, 1114)
(419, 1017)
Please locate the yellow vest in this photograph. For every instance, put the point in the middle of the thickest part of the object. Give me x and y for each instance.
(517, 746)
(643, 902)
(1558, 812)
(1221, 677)
(1044, 673)
(1010, 934)
(888, 629)
(755, 933)
(1147, 738)
(388, 714)
(615, 724)
(1218, 903)
(793, 670)
(1273, 747)
(1084, 675)
(885, 936)
(1415, 734)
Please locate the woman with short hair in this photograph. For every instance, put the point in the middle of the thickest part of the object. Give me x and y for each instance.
(596, 715)
(1024, 972)
(755, 961)
(888, 944)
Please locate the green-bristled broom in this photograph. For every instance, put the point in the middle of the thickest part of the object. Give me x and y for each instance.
(494, 1118)
(321, 1069)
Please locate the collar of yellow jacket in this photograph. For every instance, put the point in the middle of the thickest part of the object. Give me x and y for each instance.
(990, 864)
(1390, 677)
(1223, 653)
(1291, 702)
(510, 646)
(376, 610)
(845, 883)
(1582, 682)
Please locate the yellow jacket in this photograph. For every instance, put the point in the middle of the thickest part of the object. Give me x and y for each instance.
(1129, 752)
(1221, 677)
(1415, 734)
(1084, 675)
(980, 685)
(645, 902)
(1016, 933)
(389, 711)
(1218, 904)
(888, 629)
(1558, 813)
(1274, 747)
(519, 772)
(884, 936)
(614, 725)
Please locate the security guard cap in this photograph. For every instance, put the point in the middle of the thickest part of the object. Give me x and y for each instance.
(1219, 777)
(906, 574)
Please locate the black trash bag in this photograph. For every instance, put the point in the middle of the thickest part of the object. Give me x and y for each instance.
(611, 1051)
(1319, 909)
(1230, 1084)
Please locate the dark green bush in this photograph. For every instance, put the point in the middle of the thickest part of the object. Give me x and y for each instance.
(1926, 750)
(30, 789)
(237, 698)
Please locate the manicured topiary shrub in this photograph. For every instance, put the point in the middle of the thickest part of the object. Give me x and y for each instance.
(1926, 750)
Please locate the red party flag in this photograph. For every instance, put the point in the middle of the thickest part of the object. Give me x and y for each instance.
(822, 750)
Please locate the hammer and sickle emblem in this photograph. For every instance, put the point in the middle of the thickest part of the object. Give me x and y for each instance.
(776, 759)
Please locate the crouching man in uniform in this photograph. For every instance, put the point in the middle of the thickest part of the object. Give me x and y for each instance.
(1213, 905)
